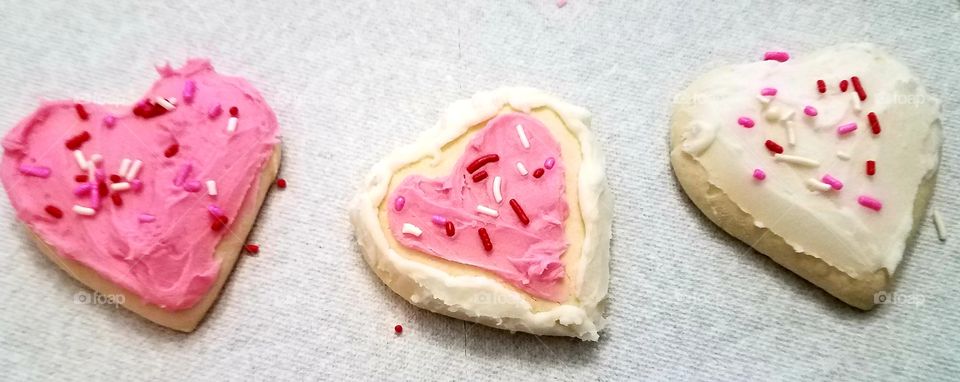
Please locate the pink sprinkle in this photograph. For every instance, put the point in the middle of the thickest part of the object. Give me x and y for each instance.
(214, 111)
(768, 92)
(810, 110)
(100, 175)
(110, 120)
(758, 174)
(136, 184)
(847, 129)
(146, 218)
(189, 90)
(561, 3)
(37, 171)
(398, 203)
(438, 220)
(776, 56)
(835, 183)
(182, 174)
(215, 211)
(746, 122)
(95, 200)
(192, 186)
(83, 189)
(869, 202)
(549, 163)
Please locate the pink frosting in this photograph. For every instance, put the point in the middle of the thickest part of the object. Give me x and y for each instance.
(168, 262)
(527, 256)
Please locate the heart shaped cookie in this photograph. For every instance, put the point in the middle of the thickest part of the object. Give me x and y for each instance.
(824, 163)
(499, 215)
(151, 202)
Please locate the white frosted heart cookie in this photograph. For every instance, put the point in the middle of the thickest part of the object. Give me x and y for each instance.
(499, 215)
(824, 162)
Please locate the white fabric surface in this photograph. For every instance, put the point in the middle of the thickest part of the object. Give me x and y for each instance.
(351, 80)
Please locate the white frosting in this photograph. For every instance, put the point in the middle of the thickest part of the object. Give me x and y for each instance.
(483, 299)
(828, 224)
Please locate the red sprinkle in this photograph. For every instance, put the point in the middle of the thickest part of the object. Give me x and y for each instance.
(481, 161)
(234, 111)
(871, 167)
(774, 147)
(78, 140)
(451, 230)
(252, 248)
(81, 111)
(102, 189)
(843, 85)
(479, 176)
(519, 211)
(859, 88)
(82, 178)
(821, 86)
(874, 122)
(53, 211)
(281, 183)
(219, 223)
(114, 178)
(485, 239)
(116, 199)
(398, 329)
(148, 109)
(172, 150)
(538, 173)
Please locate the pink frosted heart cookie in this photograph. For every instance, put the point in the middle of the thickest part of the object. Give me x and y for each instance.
(500, 215)
(151, 202)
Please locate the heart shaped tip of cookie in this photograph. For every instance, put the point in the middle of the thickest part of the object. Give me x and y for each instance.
(146, 196)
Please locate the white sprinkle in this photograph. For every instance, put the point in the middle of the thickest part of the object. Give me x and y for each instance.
(764, 100)
(788, 116)
(487, 211)
(124, 166)
(843, 155)
(523, 137)
(411, 229)
(941, 228)
(134, 169)
(521, 169)
(797, 160)
(81, 161)
(772, 114)
(91, 172)
(497, 194)
(815, 184)
(121, 186)
(172, 100)
(211, 188)
(856, 103)
(232, 124)
(791, 136)
(86, 211)
(164, 103)
(96, 159)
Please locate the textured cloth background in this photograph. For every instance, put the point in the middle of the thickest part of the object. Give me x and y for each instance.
(352, 80)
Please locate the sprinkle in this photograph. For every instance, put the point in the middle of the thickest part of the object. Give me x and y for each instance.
(843, 85)
(171, 150)
(281, 183)
(81, 178)
(768, 92)
(134, 169)
(764, 101)
(124, 167)
(561, 3)
(95, 200)
(497, 192)
(451, 230)
(821, 86)
(874, 123)
(810, 111)
(77, 140)
(85, 211)
(846, 128)
(776, 56)
(189, 90)
(164, 103)
(102, 189)
(773, 114)
(148, 109)
(938, 223)
(817, 185)
(81, 111)
(252, 248)
(214, 111)
(519, 211)
(37, 171)
(83, 189)
(871, 167)
(91, 171)
(96, 159)
(521, 169)
(480, 176)
(234, 112)
(538, 173)
(182, 174)
(523, 137)
(482, 161)
(859, 88)
(216, 211)
(773, 147)
(487, 210)
(549, 163)
(833, 182)
(192, 186)
(398, 329)
(122, 186)
(136, 184)
(843, 155)
(232, 124)
(758, 174)
(869, 202)
(219, 223)
(53, 211)
(211, 187)
(796, 159)
(791, 136)
(411, 229)
(438, 220)
(146, 218)
(116, 199)
(485, 239)
(399, 202)
(746, 122)
(110, 120)
(81, 161)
